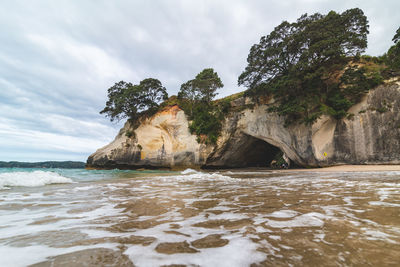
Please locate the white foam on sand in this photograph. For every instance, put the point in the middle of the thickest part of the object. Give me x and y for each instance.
(227, 255)
(283, 214)
(31, 179)
(192, 175)
(381, 203)
(378, 235)
(312, 219)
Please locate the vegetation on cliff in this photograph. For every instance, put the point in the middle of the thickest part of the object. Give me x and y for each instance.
(195, 98)
(45, 164)
(126, 100)
(309, 67)
(313, 66)
(392, 57)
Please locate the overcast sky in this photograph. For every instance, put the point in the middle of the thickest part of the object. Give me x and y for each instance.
(57, 58)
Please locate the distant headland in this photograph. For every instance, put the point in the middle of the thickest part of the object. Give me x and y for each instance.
(44, 164)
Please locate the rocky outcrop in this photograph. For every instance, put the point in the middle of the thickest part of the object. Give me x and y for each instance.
(251, 137)
(371, 135)
(162, 141)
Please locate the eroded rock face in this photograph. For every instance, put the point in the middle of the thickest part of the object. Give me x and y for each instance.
(163, 140)
(253, 136)
(370, 136)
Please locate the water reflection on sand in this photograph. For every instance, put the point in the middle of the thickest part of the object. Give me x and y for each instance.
(229, 218)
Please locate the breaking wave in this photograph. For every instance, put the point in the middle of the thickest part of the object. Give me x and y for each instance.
(31, 179)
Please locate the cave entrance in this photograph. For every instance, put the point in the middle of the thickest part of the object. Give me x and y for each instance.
(242, 151)
(258, 153)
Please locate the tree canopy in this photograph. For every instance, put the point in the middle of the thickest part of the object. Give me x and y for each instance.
(297, 63)
(126, 100)
(396, 37)
(207, 82)
(393, 54)
(201, 89)
(195, 98)
(302, 45)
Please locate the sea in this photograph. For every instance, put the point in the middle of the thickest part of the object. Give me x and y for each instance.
(237, 217)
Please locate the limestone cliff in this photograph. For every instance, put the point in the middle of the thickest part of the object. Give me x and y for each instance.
(252, 137)
(163, 140)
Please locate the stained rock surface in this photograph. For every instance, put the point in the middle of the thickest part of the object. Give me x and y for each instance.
(253, 136)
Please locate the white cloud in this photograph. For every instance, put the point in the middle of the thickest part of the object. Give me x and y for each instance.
(34, 139)
(57, 58)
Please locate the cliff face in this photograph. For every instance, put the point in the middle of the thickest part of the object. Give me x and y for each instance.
(163, 140)
(253, 136)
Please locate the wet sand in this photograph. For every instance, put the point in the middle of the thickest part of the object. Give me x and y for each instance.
(351, 168)
(226, 218)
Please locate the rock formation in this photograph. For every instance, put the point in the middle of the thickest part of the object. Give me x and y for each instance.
(251, 137)
(162, 140)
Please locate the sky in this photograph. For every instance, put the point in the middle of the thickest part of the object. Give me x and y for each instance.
(58, 58)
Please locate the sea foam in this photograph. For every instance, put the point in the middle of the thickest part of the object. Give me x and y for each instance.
(31, 179)
(193, 175)
(189, 171)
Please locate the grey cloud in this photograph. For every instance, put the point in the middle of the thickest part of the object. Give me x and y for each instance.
(57, 58)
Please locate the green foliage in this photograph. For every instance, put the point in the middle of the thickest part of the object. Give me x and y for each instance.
(299, 64)
(117, 106)
(207, 82)
(188, 96)
(392, 57)
(195, 98)
(126, 100)
(356, 82)
(171, 101)
(206, 122)
(231, 98)
(151, 93)
(396, 37)
(201, 89)
(338, 105)
(310, 42)
(367, 58)
(129, 134)
(224, 106)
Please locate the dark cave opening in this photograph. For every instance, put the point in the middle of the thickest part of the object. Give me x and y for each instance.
(244, 151)
(258, 153)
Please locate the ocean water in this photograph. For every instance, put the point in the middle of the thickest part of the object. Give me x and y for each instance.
(247, 217)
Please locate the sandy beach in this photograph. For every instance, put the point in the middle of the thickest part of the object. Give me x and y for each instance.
(351, 168)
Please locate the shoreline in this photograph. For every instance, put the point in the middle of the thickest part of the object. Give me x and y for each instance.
(349, 168)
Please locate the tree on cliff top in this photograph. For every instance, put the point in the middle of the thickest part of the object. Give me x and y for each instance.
(303, 45)
(195, 98)
(295, 63)
(393, 54)
(396, 37)
(201, 89)
(207, 82)
(126, 100)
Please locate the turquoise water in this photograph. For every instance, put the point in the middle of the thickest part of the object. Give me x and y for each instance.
(77, 175)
